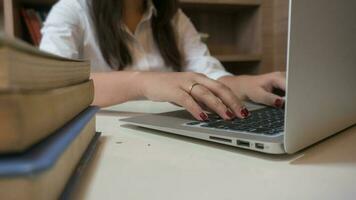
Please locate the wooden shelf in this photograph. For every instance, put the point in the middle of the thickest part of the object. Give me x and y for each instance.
(224, 2)
(39, 2)
(239, 58)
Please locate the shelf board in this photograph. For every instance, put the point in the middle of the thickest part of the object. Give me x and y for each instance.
(239, 58)
(211, 2)
(224, 2)
(39, 2)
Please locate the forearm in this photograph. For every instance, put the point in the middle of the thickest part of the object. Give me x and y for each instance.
(116, 87)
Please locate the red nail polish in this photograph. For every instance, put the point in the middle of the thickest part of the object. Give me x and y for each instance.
(204, 116)
(244, 112)
(278, 103)
(230, 114)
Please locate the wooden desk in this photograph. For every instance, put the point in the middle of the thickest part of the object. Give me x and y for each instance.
(133, 163)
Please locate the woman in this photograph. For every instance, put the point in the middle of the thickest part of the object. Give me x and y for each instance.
(150, 49)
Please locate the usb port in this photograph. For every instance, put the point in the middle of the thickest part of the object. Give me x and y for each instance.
(259, 146)
(243, 143)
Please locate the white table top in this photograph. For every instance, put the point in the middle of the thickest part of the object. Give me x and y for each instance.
(133, 163)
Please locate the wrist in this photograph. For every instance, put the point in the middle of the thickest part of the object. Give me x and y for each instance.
(140, 83)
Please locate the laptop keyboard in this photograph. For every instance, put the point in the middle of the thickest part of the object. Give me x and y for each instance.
(266, 121)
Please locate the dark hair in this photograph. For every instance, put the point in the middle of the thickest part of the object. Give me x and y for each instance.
(107, 16)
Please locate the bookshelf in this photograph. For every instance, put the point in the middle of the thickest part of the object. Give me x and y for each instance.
(247, 36)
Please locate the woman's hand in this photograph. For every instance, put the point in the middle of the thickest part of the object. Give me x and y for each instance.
(192, 91)
(258, 88)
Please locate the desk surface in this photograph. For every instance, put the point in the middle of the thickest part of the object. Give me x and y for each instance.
(134, 163)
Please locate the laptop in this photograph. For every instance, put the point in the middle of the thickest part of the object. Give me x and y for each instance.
(320, 95)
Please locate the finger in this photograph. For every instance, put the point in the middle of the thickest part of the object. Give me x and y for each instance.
(226, 95)
(203, 95)
(279, 81)
(264, 97)
(187, 101)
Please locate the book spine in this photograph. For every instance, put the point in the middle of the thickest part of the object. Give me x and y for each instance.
(28, 23)
(36, 25)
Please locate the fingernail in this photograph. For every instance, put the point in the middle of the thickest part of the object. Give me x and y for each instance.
(244, 112)
(278, 103)
(204, 116)
(230, 114)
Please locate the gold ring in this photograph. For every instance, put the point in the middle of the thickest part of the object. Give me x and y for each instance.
(191, 87)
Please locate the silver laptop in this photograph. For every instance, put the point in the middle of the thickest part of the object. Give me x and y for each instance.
(321, 88)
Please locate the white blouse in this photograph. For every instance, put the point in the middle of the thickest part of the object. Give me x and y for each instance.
(69, 32)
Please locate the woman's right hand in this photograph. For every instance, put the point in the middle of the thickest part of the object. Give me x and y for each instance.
(176, 87)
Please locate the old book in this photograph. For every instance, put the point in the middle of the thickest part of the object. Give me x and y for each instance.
(28, 117)
(24, 67)
(42, 172)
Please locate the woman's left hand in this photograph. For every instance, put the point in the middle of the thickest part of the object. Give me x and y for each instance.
(258, 88)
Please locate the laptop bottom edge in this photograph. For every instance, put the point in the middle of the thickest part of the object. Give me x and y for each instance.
(268, 147)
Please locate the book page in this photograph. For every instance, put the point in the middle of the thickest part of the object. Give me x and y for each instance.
(20, 45)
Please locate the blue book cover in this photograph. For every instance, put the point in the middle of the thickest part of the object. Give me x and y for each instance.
(50, 163)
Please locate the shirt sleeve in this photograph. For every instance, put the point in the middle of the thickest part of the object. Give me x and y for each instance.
(62, 33)
(196, 53)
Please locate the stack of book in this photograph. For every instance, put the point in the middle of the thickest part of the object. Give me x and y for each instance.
(47, 125)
